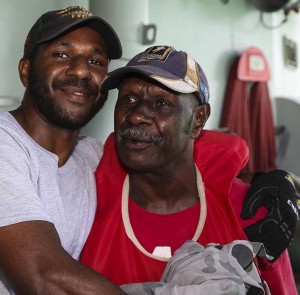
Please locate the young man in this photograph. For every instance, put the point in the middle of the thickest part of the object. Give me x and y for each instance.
(162, 180)
(47, 190)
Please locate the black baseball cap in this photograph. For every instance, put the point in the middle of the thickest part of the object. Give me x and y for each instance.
(55, 23)
(176, 70)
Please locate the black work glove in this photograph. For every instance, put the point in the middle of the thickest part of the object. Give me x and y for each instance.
(275, 190)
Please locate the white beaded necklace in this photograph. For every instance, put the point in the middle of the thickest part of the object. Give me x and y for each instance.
(128, 227)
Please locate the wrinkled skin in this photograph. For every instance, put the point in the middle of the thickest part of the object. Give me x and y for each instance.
(155, 126)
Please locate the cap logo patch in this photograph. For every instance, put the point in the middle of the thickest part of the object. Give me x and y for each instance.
(156, 53)
(75, 12)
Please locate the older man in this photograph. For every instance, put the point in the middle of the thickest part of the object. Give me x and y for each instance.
(162, 180)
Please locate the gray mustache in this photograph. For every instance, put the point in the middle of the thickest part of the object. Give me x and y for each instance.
(139, 134)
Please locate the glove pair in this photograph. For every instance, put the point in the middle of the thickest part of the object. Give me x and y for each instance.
(276, 191)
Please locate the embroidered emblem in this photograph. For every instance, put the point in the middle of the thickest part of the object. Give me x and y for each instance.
(75, 12)
(156, 53)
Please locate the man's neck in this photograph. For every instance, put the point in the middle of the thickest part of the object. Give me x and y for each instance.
(165, 195)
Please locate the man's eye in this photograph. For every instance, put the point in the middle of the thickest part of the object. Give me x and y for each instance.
(129, 100)
(94, 62)
(98, 62)
(61, 55)
(161, 104)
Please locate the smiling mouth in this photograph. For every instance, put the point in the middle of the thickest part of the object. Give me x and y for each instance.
(76, 96)
(79, 93)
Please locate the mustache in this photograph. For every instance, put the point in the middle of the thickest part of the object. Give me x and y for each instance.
(140, 134)
(74, 81)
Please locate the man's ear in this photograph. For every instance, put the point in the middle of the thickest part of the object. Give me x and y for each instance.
(202, 113)
(24, 66)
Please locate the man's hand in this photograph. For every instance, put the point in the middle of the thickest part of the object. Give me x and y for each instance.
(275, 190)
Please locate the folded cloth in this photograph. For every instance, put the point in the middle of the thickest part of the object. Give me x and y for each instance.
(214, 269)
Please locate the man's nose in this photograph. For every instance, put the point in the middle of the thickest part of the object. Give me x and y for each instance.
(140, 114)
(79, 67)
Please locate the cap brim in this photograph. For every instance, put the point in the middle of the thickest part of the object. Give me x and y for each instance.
(101, 26)
(173, 82)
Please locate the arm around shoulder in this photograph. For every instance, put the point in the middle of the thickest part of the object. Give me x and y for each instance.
(34, 262)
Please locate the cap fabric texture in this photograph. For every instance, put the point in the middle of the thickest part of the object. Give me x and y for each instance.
(174, 69)
(57, 22)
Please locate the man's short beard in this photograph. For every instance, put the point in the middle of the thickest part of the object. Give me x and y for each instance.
(51, 112)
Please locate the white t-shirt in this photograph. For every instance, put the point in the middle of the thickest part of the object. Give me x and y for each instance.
(33, 187)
